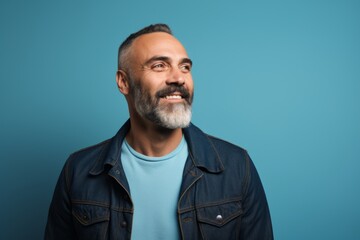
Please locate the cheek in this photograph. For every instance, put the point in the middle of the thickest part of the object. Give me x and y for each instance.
(148, 83)
(190, 84)
(152, 89)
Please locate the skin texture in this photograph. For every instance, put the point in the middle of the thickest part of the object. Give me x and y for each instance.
(156, 61)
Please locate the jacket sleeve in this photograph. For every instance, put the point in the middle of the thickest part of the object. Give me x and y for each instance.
(256, 222)
(60, 223)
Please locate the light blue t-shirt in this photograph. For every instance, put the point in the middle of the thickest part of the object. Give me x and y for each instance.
(154, 188)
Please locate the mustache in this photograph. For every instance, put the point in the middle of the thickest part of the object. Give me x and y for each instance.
(171, 89)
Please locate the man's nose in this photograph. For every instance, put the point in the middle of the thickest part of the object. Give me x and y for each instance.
(176, 76)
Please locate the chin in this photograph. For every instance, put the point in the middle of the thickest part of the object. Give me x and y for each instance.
(179, 117)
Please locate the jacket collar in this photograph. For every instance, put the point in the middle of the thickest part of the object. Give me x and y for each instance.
(201, 149)
(112, 156)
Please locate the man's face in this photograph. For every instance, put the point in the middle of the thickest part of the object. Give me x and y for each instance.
(161, 85)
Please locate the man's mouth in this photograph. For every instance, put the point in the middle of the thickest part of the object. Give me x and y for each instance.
(174, 93)
(173, 96)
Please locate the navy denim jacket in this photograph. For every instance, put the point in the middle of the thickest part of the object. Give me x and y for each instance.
(221, 196)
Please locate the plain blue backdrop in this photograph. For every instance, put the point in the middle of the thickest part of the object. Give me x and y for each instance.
(280, 78)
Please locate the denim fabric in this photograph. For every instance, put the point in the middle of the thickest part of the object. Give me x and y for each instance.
(221, 195)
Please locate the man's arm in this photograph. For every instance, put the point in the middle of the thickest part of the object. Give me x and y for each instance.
(60, 223)
(256, 222)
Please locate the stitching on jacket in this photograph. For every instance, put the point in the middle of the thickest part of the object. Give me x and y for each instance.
(247, 176)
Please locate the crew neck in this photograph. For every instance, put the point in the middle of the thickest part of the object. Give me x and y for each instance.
(156, 159)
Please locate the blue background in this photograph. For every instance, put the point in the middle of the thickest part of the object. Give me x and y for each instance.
(280, 78)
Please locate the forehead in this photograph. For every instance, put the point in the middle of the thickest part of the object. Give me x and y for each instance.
(159, 43)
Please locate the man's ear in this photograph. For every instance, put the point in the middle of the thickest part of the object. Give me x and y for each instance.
(122, 82)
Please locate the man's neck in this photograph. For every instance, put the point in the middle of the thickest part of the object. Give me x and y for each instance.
(152, 140)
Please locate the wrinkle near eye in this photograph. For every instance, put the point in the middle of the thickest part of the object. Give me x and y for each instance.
(159, 67)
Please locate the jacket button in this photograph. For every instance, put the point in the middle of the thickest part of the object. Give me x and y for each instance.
(219, 218)
(123, 224)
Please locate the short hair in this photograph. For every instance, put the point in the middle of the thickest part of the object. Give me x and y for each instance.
(125, 46)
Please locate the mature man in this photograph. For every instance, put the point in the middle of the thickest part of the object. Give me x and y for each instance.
(159, 177)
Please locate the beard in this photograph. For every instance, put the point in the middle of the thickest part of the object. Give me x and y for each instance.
(167, 115)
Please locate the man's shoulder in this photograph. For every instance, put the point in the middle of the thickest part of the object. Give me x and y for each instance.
(227, 149)
(90, 154)
(102, 149)
(214, 149)
(217, 142)
(224, 143)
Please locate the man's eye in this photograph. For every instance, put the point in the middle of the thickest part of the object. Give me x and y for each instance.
(159, 67)
(185, 68)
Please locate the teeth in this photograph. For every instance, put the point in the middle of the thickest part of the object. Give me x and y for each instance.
(173, 97)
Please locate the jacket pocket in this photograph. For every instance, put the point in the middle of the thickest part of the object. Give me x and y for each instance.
(220, 221)
(91, 221)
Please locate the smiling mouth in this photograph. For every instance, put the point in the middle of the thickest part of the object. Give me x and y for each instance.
(174, 93)
(173, 97)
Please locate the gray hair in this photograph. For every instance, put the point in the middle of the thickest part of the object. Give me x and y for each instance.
(123, 54)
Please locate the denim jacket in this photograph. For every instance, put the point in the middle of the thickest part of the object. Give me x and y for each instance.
(221, 195)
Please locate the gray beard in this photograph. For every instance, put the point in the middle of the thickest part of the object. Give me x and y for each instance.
(170, 115)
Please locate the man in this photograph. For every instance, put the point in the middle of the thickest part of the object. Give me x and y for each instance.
(159, 177)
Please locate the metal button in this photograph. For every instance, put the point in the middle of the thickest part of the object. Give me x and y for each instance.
(117, 172)
(219, 218)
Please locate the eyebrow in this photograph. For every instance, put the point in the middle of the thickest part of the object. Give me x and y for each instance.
(166, 59)
(186, 60)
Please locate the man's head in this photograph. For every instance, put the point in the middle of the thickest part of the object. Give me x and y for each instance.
(124, 48)
(154, 74)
